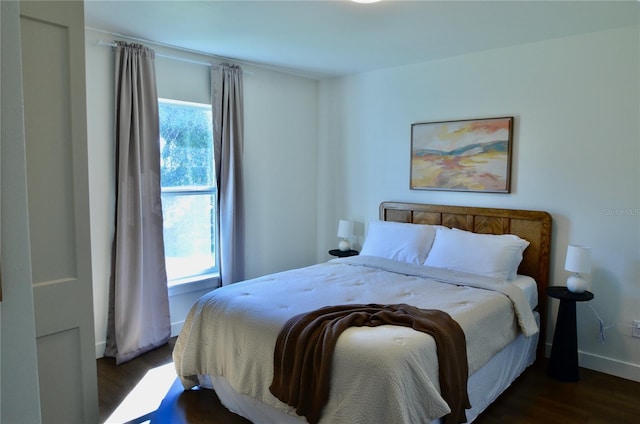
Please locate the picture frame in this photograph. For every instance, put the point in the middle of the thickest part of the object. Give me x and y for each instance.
(471, 155)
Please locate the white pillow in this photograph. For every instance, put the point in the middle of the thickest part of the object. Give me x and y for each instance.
(398, 241)
(495, 256)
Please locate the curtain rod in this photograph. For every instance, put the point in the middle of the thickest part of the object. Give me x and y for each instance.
(181, 59)
(221, 59)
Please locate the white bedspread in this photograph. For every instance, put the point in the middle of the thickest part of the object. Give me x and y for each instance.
(382, 374)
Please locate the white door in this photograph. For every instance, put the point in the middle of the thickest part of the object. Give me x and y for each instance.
(52, 35)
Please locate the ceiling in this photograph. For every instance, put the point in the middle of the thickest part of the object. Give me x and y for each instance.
(322, 39)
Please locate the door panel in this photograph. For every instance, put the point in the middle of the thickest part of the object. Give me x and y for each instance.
(65, 347)
(50, 165)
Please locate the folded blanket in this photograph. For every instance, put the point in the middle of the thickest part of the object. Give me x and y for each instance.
(305, 345)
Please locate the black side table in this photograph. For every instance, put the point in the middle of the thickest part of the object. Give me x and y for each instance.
(343, 253)
(563, 362)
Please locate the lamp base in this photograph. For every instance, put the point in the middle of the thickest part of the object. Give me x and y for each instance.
(344, 245)
(576, 284)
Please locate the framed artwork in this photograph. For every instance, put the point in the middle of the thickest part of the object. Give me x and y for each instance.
(469, 155)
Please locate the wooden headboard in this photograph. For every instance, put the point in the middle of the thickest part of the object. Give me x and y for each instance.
(533, 226)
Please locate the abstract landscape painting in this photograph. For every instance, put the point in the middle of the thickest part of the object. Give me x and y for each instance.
(468, 155)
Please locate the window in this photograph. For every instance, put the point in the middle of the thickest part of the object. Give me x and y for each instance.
(188, 190)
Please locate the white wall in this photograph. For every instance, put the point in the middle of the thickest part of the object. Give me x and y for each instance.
(576, 155)
(313, 157)
(279, 158)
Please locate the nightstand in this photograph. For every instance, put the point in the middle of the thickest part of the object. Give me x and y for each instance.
(563, 362)
(342, 253)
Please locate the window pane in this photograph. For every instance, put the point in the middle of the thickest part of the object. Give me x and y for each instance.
(187, 178)
(186, 147)
(189, 234)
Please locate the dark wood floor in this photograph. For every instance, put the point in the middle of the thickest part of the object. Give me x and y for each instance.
(533, 398)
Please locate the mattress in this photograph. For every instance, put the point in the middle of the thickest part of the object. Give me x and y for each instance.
(382, 374)
(529, 289)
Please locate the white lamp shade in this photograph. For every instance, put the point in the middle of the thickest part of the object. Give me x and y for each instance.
(345, 229)
(578, 259)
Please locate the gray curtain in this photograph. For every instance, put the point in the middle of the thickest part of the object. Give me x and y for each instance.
(138, 299)
(228, 129)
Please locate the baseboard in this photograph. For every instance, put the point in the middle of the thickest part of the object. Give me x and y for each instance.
(610, 366)
(175, 330)
(100, 349)
(605, 365)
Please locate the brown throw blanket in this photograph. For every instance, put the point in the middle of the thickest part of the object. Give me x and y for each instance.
(305, 345)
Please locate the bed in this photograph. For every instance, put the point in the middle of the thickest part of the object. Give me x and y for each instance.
(386, 373)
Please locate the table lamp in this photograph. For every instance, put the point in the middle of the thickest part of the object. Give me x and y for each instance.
(578, 261)
(345, 231)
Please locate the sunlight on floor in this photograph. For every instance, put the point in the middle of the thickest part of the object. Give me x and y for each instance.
(146, 396)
